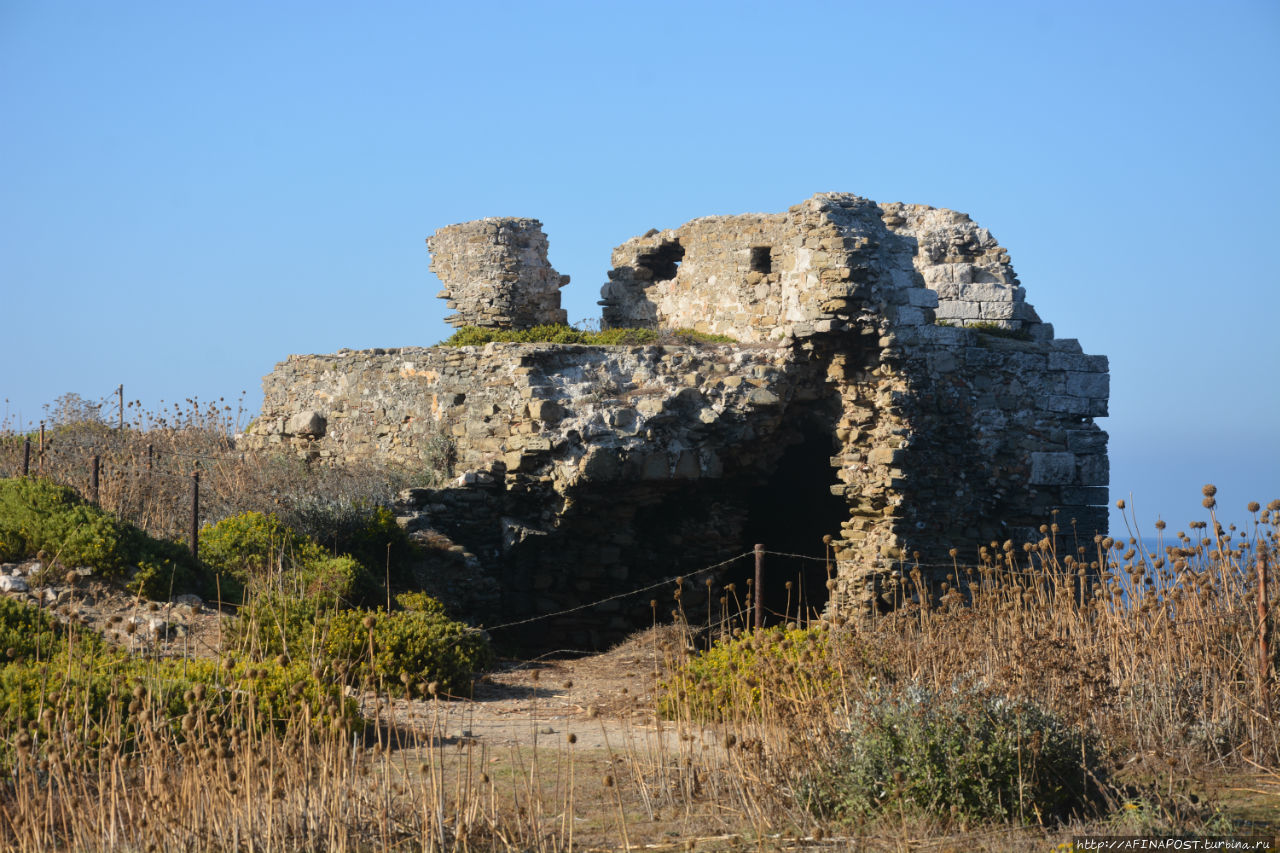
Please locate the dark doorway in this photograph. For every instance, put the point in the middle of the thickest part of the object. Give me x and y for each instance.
(789, 514)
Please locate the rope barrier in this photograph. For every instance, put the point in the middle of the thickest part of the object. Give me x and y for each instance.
(668, 580)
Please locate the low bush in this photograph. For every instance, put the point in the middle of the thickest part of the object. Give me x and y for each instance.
(776, 672)
(262, 555)
(407, 648)
(370, 535)
(37, 515)
(40, 516)
(55, 668)
(415, 645)
(28, 633)
(965, 755)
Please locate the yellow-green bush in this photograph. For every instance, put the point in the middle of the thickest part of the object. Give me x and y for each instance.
(27, 633)
(60, 668)
(407, 647)
(781, 668)
(261, 554)
(37, 515)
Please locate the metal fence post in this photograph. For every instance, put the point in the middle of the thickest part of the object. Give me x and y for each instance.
(94, 468)
(759, 605)
(26, 457)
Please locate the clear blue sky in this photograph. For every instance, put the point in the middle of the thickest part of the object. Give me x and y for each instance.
(190, 192)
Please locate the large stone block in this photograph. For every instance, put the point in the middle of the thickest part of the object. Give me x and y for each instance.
(1053, 469)
(1089, 384)
(306, 423)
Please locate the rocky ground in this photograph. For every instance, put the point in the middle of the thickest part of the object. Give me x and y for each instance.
(185, 627)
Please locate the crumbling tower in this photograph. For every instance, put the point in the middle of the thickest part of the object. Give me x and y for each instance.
(496, 274)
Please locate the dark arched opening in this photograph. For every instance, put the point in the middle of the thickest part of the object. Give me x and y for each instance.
(789, 514)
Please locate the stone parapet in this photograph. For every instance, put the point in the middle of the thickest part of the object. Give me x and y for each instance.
(496, 274)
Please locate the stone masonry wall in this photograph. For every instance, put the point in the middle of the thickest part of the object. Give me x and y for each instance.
(966, 267)
(496, 273)
(893, 391)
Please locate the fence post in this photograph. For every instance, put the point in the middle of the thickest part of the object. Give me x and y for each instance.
(94, 468)
(42, 448)
(1264, 636)
(759, 605)
(195, 513)
(26, 457)
(150, 456)
(120, 422)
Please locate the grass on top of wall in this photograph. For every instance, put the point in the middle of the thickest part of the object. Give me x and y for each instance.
(470, 336)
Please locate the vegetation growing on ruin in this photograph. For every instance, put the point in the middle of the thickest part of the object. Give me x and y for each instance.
(470, 336)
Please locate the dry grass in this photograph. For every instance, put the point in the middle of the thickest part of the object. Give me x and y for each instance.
(146, 467)
(1161, 671)
(1152, 654)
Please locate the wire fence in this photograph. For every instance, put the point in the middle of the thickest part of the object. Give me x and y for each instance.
(174, 475)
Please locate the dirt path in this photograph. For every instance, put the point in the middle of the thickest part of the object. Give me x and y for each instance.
(607, 701)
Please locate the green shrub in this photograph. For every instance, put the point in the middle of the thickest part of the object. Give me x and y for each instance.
(165, 568)
(730, 677)
(261, 554)
(962, 755)
(420, 602)
(268, 692)
(470, 336)
(248, 545)
(408, 647)
(100, 688)
(272, 623)
(37, 515)
(97, 682)
(370, 535)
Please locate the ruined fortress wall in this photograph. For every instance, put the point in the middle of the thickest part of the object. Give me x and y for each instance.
(496, 273)
(510, 405)
(629, 463)
(964, 265)
(762, 277)
(894, 391)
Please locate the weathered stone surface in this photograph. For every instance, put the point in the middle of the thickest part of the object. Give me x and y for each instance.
(844, 411)
(308, 423)
(496, 274)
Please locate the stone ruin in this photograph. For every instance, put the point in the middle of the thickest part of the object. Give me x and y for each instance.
(890, 390)
(496, 274)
